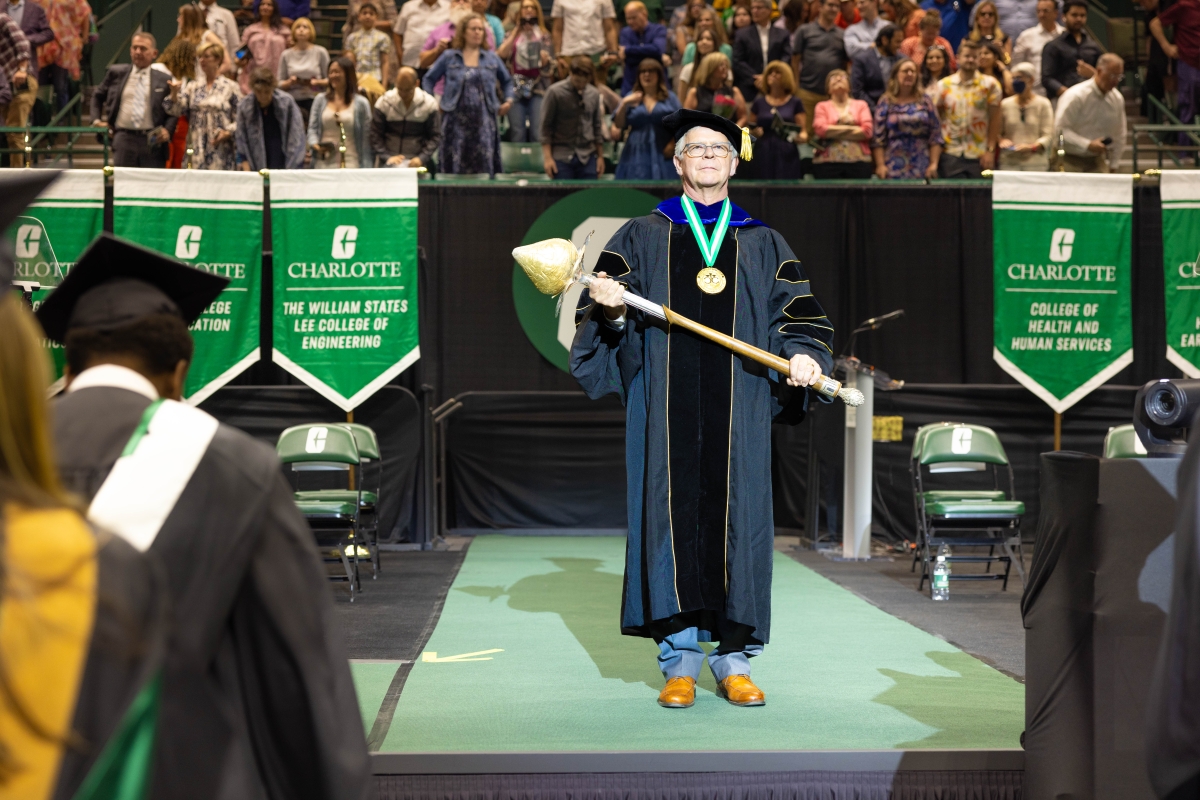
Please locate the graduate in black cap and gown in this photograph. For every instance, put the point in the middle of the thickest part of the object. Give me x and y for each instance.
(257, 699)
(698, 417)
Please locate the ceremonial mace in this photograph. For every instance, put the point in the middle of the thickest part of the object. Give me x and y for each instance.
(554, 265)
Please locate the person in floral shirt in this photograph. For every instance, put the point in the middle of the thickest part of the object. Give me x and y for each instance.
(968, 103)
(70, 20)
(907, 140)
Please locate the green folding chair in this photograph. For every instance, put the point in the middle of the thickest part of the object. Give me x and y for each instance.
(965, 517)
(1123, 442)
(371, 472)
(324, 447)
(516, 157)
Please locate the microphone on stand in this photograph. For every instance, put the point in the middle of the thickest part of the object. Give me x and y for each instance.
(874, 323)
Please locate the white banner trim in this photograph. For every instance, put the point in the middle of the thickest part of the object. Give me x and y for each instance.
(1056, 188)
(225, 377)
(331, 394)
(1044, 394)
(1188, 369)
(1179, 185)
(75, 185)
(224, 186)
(362, 184)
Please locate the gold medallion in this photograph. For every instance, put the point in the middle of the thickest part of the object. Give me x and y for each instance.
(711, 280)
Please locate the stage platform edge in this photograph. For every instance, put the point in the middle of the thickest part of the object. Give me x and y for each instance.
(698, 761)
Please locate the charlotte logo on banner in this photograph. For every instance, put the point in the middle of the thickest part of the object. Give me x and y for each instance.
(345, 261)
(1181, 252)
(573, 217)
(1062, 321)
(211, 220)
(52, 233)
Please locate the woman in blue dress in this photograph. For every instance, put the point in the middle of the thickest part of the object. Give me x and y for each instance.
(647, 155)
(470, 130)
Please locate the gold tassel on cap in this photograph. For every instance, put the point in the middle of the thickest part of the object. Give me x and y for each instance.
(747, 147)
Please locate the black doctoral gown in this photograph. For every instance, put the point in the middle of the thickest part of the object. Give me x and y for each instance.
(698, 418)
(257, 699)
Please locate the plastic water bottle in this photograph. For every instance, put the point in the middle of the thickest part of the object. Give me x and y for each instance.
(940, 587)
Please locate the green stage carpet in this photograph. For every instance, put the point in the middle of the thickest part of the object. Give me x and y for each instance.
(527, 656)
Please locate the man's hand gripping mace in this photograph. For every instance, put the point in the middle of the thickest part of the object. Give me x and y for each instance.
(553, 265)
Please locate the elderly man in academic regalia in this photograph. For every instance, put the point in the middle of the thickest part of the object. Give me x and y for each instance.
(698, 418)
(257, 699)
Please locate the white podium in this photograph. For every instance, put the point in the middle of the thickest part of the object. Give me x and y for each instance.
(857, 479)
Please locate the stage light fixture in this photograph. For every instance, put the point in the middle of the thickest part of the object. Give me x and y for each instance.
(1163, 414)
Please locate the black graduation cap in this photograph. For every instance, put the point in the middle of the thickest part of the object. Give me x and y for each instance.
(18, 188)
(677, 123)
(116, 282)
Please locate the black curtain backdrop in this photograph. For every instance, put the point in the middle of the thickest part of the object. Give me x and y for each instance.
(392, 412)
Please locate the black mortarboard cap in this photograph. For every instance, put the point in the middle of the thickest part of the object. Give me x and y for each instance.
(18, 188)
(677, 123)
(116, 283)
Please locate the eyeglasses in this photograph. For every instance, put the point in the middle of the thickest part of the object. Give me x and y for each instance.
(698, 150)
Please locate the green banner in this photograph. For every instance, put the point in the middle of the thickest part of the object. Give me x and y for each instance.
(213, 221)
(1180, 192)
(1061, 266)
(49, 236)
(345, 261)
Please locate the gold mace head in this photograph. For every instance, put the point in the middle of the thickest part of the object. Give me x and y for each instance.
(550, 264)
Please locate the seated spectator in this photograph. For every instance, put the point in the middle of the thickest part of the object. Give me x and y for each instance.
(527, 52)
(210, 105)
(1071, 58)
(1029, 44)
(968, 103)
(907, 143)
(991, 63)
(648, 151)
(935, 67)
(711, 90)
(905, 14)
(639, 40)
(870, 68)
(915, 47)
(708, 21)
(1026, 125)
(1091, 119)
(987, 29)
(271, 130)
(370, 47)
(862, 35)
(843, 127)
(706, 42)
(439, 39)
(340, 122)
(405, 125)
(303, 66)
(470, 128)
(683, 23)
(771, 114)
(818, 48)
(572, 125)
(264, 43)
(757, 45)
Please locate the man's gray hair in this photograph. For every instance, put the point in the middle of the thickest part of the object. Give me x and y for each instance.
(145, 35)
(682, 143)
(1110, 58)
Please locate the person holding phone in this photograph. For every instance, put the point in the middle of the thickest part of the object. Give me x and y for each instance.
(263, 43)
(528, 52)
(1091, 119)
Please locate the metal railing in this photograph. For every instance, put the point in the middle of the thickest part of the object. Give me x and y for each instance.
(1159, 133)
(33, 151)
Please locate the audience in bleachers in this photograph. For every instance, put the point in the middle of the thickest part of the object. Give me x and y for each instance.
(1026, 124)
(572, 130)
(303, 66)
(755, 46)
(648, 150)
(414, 23)
(818, 48)
(271, 128)
(340, 122)
(264, 43)
(210, 105)
(915, 47)
(712, 92)
(969, 105)
(987, 28)
(991, 62)
(528, 53)
(843, 128)
(405, 124)
(870, 68)
(1070, 58)
(640, 39)
(777, 117)
(935, 66)
(1029, 44)
(905, 14)
(907, 140)
(1091, 119)
(862, 34)
(708, 23)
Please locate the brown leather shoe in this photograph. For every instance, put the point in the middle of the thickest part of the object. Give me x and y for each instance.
(741, 691)
(679, 692)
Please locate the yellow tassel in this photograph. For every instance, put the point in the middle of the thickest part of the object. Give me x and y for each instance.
(747, 147)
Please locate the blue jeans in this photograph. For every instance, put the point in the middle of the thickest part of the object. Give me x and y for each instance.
(60, 79)
(576, 169)
(680, 655)
(523, 111)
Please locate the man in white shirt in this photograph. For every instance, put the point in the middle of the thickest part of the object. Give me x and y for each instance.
(584, 28)
(221, 22)
(414, 23)
(1091, 119)
(861, 35)
(1031, 41)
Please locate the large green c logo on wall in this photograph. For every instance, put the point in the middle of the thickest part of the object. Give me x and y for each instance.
(602, 210)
